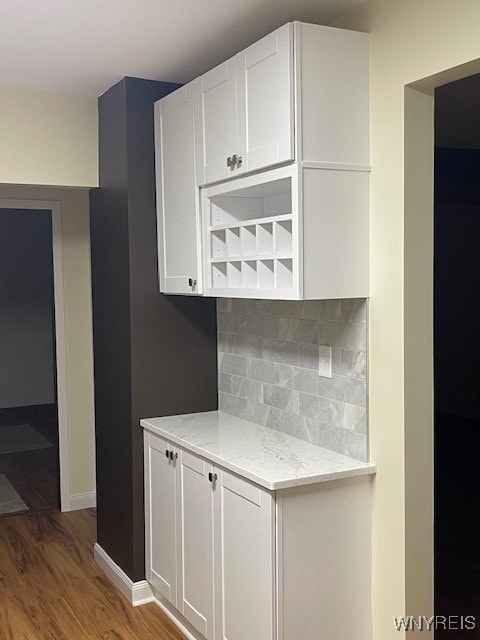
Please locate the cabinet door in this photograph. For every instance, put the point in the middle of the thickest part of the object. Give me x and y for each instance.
(179, 235)
(245, 560)
(160, 512)
(195, 509)
(217, 125)
(269, 101)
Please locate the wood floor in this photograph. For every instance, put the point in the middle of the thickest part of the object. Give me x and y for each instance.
(35, 474)
(51, 589)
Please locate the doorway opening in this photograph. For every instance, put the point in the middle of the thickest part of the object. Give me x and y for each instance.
(29, 467)
(34, 456)
(457, 349)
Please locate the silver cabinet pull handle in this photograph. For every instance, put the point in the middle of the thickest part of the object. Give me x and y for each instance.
(234, 160)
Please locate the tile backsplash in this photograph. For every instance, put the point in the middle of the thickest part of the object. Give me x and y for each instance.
(268, 368)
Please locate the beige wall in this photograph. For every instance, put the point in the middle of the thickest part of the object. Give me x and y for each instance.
(78, 325)
(48, 138)
(411, 40)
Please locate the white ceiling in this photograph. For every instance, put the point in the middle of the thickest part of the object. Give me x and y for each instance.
(85, 46)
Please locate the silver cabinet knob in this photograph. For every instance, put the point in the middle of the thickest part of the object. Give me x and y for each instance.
(234, 160)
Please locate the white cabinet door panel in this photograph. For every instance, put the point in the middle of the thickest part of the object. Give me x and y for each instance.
(179, 234)
(196, 543)
(269, 100)
(160, 512)
(245, 560)
(217, 126)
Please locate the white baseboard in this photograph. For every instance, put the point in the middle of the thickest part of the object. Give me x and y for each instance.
(136, 593)
(83, 501)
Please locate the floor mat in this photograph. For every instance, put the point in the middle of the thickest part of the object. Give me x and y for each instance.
(21, 437)
(10, 501)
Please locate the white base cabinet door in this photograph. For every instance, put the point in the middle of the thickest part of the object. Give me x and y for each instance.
(195, 557)
(245, 560)
(160, 525)
(210, 539)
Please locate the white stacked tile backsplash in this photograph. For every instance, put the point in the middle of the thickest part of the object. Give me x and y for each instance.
(268, 368)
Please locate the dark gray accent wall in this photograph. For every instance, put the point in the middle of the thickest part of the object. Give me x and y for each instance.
(154, 354)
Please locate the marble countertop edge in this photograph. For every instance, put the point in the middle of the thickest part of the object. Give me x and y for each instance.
(285, 476)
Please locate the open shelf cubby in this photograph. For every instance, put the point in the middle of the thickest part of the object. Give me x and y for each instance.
(241, 206)
(265, 238)
(249, 240)
(250, 237)
(253, 274)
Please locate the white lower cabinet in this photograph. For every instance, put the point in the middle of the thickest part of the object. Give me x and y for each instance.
(245, 559)
(231, 560)
(160, 498)
(210, 539)
(195, 542)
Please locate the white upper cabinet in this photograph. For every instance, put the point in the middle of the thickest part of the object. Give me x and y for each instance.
(245, 110)
(217, 131)
(178, 223)
(332, 78)
(264, 176)
(265, 98)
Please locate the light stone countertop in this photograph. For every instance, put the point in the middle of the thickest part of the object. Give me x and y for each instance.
(271, 459)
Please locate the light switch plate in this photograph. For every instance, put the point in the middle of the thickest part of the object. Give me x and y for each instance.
(325, 361)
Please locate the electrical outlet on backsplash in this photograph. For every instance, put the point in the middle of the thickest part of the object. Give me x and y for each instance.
(268, 359)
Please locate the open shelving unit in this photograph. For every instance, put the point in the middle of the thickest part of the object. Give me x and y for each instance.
(251, 237)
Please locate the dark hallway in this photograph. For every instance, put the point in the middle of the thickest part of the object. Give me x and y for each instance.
(457, 353)
(29, 461)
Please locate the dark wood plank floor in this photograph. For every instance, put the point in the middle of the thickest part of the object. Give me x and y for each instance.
(51, 589)
(35, 474)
